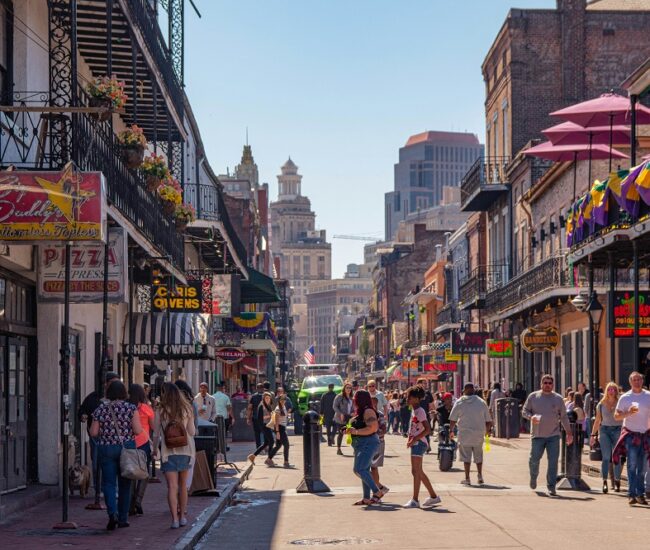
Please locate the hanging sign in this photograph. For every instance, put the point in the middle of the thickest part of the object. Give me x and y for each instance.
(51, 206)
(498, 349)
(451, 357)
(230, 355)
(474, 343)
(624, 314)
(540, 339)
(86, 271)
(180, 299)
(446, 367)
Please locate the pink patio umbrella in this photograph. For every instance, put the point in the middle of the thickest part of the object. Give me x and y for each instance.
(573, 153)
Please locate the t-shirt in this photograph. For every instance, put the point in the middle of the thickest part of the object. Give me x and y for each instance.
(254, 402)
(416, 426)
(109, 432)
(221, 404)
(146, 419)
(639, 422)
(382, 402)
(470, 413)
(552, 410)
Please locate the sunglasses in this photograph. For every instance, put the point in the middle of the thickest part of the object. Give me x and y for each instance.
(547, 383)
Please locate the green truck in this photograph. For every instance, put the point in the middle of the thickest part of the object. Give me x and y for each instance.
(313, 388)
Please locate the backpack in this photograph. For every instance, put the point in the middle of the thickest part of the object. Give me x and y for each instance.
(175, 435)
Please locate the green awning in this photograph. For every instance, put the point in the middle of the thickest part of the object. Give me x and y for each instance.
(258, 289)
(390, 370)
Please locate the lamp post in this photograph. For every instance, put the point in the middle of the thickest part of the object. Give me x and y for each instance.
(462, 332)
(595, 310)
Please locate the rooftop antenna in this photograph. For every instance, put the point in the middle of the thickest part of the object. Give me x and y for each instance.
(246, 135)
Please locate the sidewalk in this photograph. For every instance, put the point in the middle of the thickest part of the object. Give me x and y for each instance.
(33, 528)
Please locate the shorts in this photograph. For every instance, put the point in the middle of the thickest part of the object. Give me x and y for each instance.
(378, 459)
(465, 453)
(176, 463)
(419, 449)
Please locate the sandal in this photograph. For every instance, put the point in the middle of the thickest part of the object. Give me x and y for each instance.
(381, 494)
(364, 502)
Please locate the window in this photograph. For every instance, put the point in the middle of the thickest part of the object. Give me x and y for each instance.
(504, 125)
(306, 265)
(428, 152)
(6, 49)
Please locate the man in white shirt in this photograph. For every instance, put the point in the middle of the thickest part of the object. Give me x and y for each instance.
(633, 408)
(223, 406)
(205, 403)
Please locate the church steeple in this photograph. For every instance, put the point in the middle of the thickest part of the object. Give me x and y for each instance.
(289, 182)
(247, 169)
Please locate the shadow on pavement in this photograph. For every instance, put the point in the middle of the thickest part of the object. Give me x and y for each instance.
(494, 487)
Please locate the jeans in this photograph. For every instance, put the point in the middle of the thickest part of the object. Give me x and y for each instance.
(258, 430)
(392, 424)
(117, 489)
(364, 449)
(330, 429)
(635, 467)
(281, 440)
(608, 437)
(552, 447)
(268, 442)
(94, 456)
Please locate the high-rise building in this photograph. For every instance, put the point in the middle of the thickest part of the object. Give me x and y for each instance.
(301, 252)
(428, 163)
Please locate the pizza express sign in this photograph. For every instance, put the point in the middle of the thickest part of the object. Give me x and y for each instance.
(540, 339)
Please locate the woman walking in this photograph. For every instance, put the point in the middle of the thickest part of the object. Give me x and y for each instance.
(264, 417)
(393, 413)
(115, 425)
(174, 430)
(607, 430)
(404, 413)
(342, 413)
(365, 443)
(138, 398)
(281, 438)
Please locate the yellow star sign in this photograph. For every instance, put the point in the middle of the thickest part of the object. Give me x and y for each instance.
(62, 193)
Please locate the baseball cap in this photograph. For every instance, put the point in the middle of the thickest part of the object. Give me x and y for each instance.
(468, 385)
(447, 395)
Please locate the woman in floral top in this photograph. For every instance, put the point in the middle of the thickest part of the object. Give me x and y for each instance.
(115, 424)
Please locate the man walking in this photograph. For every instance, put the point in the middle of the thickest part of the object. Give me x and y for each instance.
(205, 403)
(251, 413)
(327, 410)
(473, 418)
(545, 409)
(382, 402)
(633, 408)
(587, 403)
(223, 406)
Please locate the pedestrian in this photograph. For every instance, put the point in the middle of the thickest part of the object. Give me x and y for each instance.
(418, 430)
(251, 413)
(404, 413)
(115, 425)
(495, 394)
(327, 413)
(239, 393)
(568, 395)
(365, 442)
(444, 410)
(223, 406)
(355, 387)
(281, 438)
(138, 397)
(393, 413)
(342, 413)
(607, 430)
(426, 404)
(381, 398)
(265, 419)
(587, 400)
(378, 459)
(279, 392)
(472, 416)
(205, 403)
(174, 431)
(633, 408)
(577, 406)
(188, 394)
(546, 410)
(519, 393)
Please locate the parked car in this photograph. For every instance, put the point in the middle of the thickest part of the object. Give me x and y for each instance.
(312, 389)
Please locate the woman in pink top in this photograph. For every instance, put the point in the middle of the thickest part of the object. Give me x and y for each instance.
(138, 397)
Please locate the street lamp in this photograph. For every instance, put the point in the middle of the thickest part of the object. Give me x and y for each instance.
(595, 310)
(462, 332)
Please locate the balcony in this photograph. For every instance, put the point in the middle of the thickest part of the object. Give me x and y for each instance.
(480, 282)
(484, 182)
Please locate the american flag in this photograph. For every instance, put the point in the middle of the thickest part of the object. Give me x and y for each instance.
(309, 356)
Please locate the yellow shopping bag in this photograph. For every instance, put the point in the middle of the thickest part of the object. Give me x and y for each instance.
(487, 443)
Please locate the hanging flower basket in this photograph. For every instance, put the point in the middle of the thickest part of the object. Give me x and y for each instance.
(108, 93)
(169, 207)
(133, 156)
(183, 215)
(155, 171)
(133, 143)
(152, 183)
(104, 102)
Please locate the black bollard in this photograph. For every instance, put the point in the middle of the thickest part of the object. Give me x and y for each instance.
(572, 461)
(311, 481)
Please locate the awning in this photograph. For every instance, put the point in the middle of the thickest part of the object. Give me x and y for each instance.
(190, 335)
(258, 289)
(390, 370)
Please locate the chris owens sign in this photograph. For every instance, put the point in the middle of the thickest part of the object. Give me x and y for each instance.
(181, 299)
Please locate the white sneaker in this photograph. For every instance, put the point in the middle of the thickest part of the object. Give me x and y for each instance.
(431, 502)
(465, 482)
(412, 504)
(480, 480)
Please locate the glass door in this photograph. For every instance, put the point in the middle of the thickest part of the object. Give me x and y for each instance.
(16, 427)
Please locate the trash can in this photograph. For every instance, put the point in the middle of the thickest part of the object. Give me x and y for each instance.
(206, 440)
(241, 430)
(507, 420)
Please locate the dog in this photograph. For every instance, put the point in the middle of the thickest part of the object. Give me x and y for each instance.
(79, 478)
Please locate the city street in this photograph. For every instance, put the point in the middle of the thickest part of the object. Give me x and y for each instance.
(505, 513)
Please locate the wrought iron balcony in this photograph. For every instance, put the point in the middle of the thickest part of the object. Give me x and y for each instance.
(481, 280)
(483, 183)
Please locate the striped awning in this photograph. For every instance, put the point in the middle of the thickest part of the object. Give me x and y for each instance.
(190, 335)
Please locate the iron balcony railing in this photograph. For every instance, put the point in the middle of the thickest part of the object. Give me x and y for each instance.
(482, 280)
(484, 171)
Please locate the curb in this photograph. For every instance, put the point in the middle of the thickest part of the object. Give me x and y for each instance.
(211, 513)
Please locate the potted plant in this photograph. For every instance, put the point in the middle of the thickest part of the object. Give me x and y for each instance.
(183, 215)
(133, 143)
(108, 93)
(154, 168)
(170, 194)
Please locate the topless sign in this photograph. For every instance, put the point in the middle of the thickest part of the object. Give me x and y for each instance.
(51, 206)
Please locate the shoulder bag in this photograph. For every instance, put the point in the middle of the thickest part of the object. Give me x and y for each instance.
(133, 462)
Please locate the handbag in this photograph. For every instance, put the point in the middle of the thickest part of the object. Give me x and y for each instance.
(595, 452)
(133, 462)
(271, 423)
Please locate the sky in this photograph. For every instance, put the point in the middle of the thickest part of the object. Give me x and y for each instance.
(339, 85)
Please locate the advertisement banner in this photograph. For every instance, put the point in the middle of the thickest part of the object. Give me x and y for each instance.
(86, 271)
(51, 206)
(500, 349)
(540, 339)
(624, 314)
(474, 343)
(180, 299)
